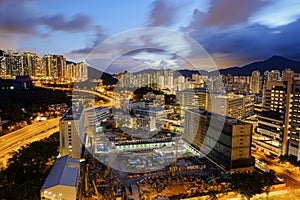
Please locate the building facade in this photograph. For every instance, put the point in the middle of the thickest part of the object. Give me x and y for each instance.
(274, 120)
(48, 67)
(71, 132)
(62, 181)
(193, 98)
(294, 131)
(228, 145)
(255, 84)
(94, 116)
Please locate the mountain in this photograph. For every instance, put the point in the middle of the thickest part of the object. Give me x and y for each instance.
(274, 63)
(189, 73)
(96, 74)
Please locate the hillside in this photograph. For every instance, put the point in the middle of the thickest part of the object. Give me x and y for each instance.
(273, 63)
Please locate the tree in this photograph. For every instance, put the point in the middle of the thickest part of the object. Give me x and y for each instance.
(247, 184)
(269, 180)
(28, 168)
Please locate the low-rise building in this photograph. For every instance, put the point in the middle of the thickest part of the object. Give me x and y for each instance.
(62, 180)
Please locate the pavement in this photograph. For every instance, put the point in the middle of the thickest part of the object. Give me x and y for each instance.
(289, 173)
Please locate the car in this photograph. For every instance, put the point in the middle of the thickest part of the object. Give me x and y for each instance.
(279, 179)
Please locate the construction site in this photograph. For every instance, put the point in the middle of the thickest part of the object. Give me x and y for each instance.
(148, 174)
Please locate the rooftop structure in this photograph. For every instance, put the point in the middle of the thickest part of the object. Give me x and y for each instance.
(94, 116)
(74, 113)
(61, 182)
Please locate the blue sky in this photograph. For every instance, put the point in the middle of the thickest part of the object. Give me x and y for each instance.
(233, 32)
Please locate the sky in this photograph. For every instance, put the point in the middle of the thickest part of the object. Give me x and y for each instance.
(231, 32)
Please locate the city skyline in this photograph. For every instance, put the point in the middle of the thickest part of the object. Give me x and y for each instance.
(148, 100)
(254, 32)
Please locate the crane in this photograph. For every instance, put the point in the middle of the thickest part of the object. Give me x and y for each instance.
(97, 194)
(173, 168)
(86, 179)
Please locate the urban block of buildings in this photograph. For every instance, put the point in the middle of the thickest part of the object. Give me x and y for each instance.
(278, 130)
(47, 68)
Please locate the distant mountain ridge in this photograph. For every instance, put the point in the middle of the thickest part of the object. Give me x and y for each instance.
(108, 79)
(274, 63)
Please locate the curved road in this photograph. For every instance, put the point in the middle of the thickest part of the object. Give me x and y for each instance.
(79, 90)
(30, 133)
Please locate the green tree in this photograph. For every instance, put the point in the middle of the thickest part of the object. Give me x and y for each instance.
(246, 184)
(269, 180)
(28, 168)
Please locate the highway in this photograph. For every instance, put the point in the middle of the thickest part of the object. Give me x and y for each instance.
(37, 131)
(96, 104)
(79, 90)
(291, 175)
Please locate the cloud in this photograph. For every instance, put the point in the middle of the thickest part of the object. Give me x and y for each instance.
(148, 47)
(230, 12)
(22, 21)
(220, 15)
(59, 22)
(100, 35)
(252, 42)
(8, 43)
(22, 18)
(143, 60)
(236, 32)
(277, 13)
(162, 13)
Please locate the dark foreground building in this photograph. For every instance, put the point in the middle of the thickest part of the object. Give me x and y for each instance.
(225, 140)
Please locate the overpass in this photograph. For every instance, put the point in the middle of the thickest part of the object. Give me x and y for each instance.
(74, 90)
(37, 131)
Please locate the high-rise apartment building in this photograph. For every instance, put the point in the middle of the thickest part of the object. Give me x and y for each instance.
(274, 75)
(294, 131)
(47, 63)
(71, 132)
(179, 83)
(232, 105)
(225, 140)
(193, 98)
(29, 64)
(82, 70)
(255, 84)
(60, 66)
(13, 64)
(70, 71)
(274, 120)
(53, 67)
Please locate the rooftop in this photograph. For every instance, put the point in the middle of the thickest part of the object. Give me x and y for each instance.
(97, 109)
(195, 90)
(226, 119)
(74, 113)
(154, 109)
(64, 172)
